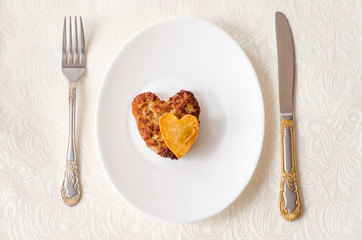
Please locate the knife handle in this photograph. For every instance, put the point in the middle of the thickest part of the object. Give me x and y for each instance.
(289, 201)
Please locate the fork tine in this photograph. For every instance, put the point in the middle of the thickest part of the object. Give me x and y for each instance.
(76, 53)
(73, 54)
(64, 48)
(82, 42)
(70, 42)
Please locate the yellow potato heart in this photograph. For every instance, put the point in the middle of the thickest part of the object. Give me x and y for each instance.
(179, 134)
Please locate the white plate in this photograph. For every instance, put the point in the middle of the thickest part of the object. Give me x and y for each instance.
(168, 56)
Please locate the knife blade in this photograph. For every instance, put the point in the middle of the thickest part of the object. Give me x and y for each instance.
(286, 63)
(289, 198)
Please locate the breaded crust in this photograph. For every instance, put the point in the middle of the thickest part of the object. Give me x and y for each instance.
(147, 108)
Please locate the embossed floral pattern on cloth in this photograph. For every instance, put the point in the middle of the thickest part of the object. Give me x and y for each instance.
(34, 120)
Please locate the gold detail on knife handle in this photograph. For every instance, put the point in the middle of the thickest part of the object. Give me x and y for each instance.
(289, 199)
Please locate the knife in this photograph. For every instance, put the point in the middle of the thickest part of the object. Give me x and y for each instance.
(289, 199)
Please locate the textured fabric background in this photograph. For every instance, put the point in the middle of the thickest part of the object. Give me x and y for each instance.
(34, 120)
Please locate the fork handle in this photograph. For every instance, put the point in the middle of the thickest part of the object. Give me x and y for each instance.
(289, 200)
(70, 190)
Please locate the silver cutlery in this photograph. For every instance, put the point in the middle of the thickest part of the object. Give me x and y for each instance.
(289, 199)
(73, 67)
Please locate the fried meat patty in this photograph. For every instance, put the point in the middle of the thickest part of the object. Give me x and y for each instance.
(147, 108)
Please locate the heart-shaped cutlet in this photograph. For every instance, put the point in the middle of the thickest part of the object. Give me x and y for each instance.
(147, 109)
(179, 134)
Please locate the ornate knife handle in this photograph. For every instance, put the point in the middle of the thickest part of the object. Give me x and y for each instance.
(70, 190)
(289, 200)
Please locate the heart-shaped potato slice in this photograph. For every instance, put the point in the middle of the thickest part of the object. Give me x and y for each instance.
(179, 134)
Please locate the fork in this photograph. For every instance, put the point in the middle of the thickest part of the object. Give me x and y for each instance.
(73, 67)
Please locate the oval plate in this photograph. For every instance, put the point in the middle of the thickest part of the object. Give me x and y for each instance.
(168, 56)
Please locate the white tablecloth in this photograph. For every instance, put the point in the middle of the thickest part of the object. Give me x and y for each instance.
(34, 120)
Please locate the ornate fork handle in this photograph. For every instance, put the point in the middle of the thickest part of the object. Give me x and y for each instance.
(70, 190)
